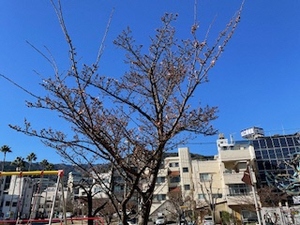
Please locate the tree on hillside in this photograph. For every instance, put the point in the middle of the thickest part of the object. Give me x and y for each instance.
(132, 120)
(31, 157)
(19, 162)
(5, 149)
(46, 165)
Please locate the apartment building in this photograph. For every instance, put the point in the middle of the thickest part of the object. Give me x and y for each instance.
(77, 185)
(207, 179)
(174, 188)
(25, 196)
(200, 183)
(234, 157)
(50, 198)
(16, 200)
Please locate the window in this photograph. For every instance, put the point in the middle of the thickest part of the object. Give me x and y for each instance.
(249, 215)
(97, 189)
(204, 177)
(293, 151)
(285, 152)
(160, 180)
(175, 179)
(278, 153)
(185, 169)
(160, 197)
(276, 142)
(255, 144)
(258, 154)
(187, 187)
(269, 143)
(262, 143)
(14, 204)
(201, 196)
(7, 203)
(239, 189)
(219, 195)
(283, 142)
(265, 154)
(290, 141)
(272, 153)
(119, 188)
(174, 164)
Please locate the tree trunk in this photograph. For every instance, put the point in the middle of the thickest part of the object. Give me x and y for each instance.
(145, 210)
(90, 210)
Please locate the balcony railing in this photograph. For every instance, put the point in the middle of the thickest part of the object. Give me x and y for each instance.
(243, 199)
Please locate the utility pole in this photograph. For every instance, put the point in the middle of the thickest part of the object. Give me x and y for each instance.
(248, 179)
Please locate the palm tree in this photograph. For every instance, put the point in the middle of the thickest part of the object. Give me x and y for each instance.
(44, 163)
(31, 157)
(4, 149)
(19, 162)
(50, 166)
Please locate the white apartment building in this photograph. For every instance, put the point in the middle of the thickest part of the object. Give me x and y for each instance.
(100, 184)
(17, 199)
(30, 197)
(42, 203)
(76, 192)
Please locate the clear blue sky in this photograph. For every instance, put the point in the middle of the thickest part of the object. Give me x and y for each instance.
(255, 83)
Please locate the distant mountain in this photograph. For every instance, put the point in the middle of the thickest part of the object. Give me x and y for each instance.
(69, 168)
(36, 166)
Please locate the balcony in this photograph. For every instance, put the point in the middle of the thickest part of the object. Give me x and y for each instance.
(240, 199)
(235, 155)
(231, 177)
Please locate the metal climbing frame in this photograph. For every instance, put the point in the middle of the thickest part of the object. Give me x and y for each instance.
(41, 173)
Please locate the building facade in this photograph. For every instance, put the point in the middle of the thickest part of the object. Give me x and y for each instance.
(17, 198)
(235, 157)
(198, 187)
(272, 152)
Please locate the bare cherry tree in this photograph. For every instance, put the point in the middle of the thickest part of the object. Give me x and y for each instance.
(131, 120)
(210, 196)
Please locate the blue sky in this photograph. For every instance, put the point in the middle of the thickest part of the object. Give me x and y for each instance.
(255, 82)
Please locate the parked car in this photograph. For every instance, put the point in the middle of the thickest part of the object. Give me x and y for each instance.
(160, 220)
(208, 220)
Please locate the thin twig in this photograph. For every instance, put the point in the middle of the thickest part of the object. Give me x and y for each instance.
(101, 47)
(19, 86)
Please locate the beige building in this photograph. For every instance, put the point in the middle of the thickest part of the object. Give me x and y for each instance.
(189, 186)
(234, 157)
